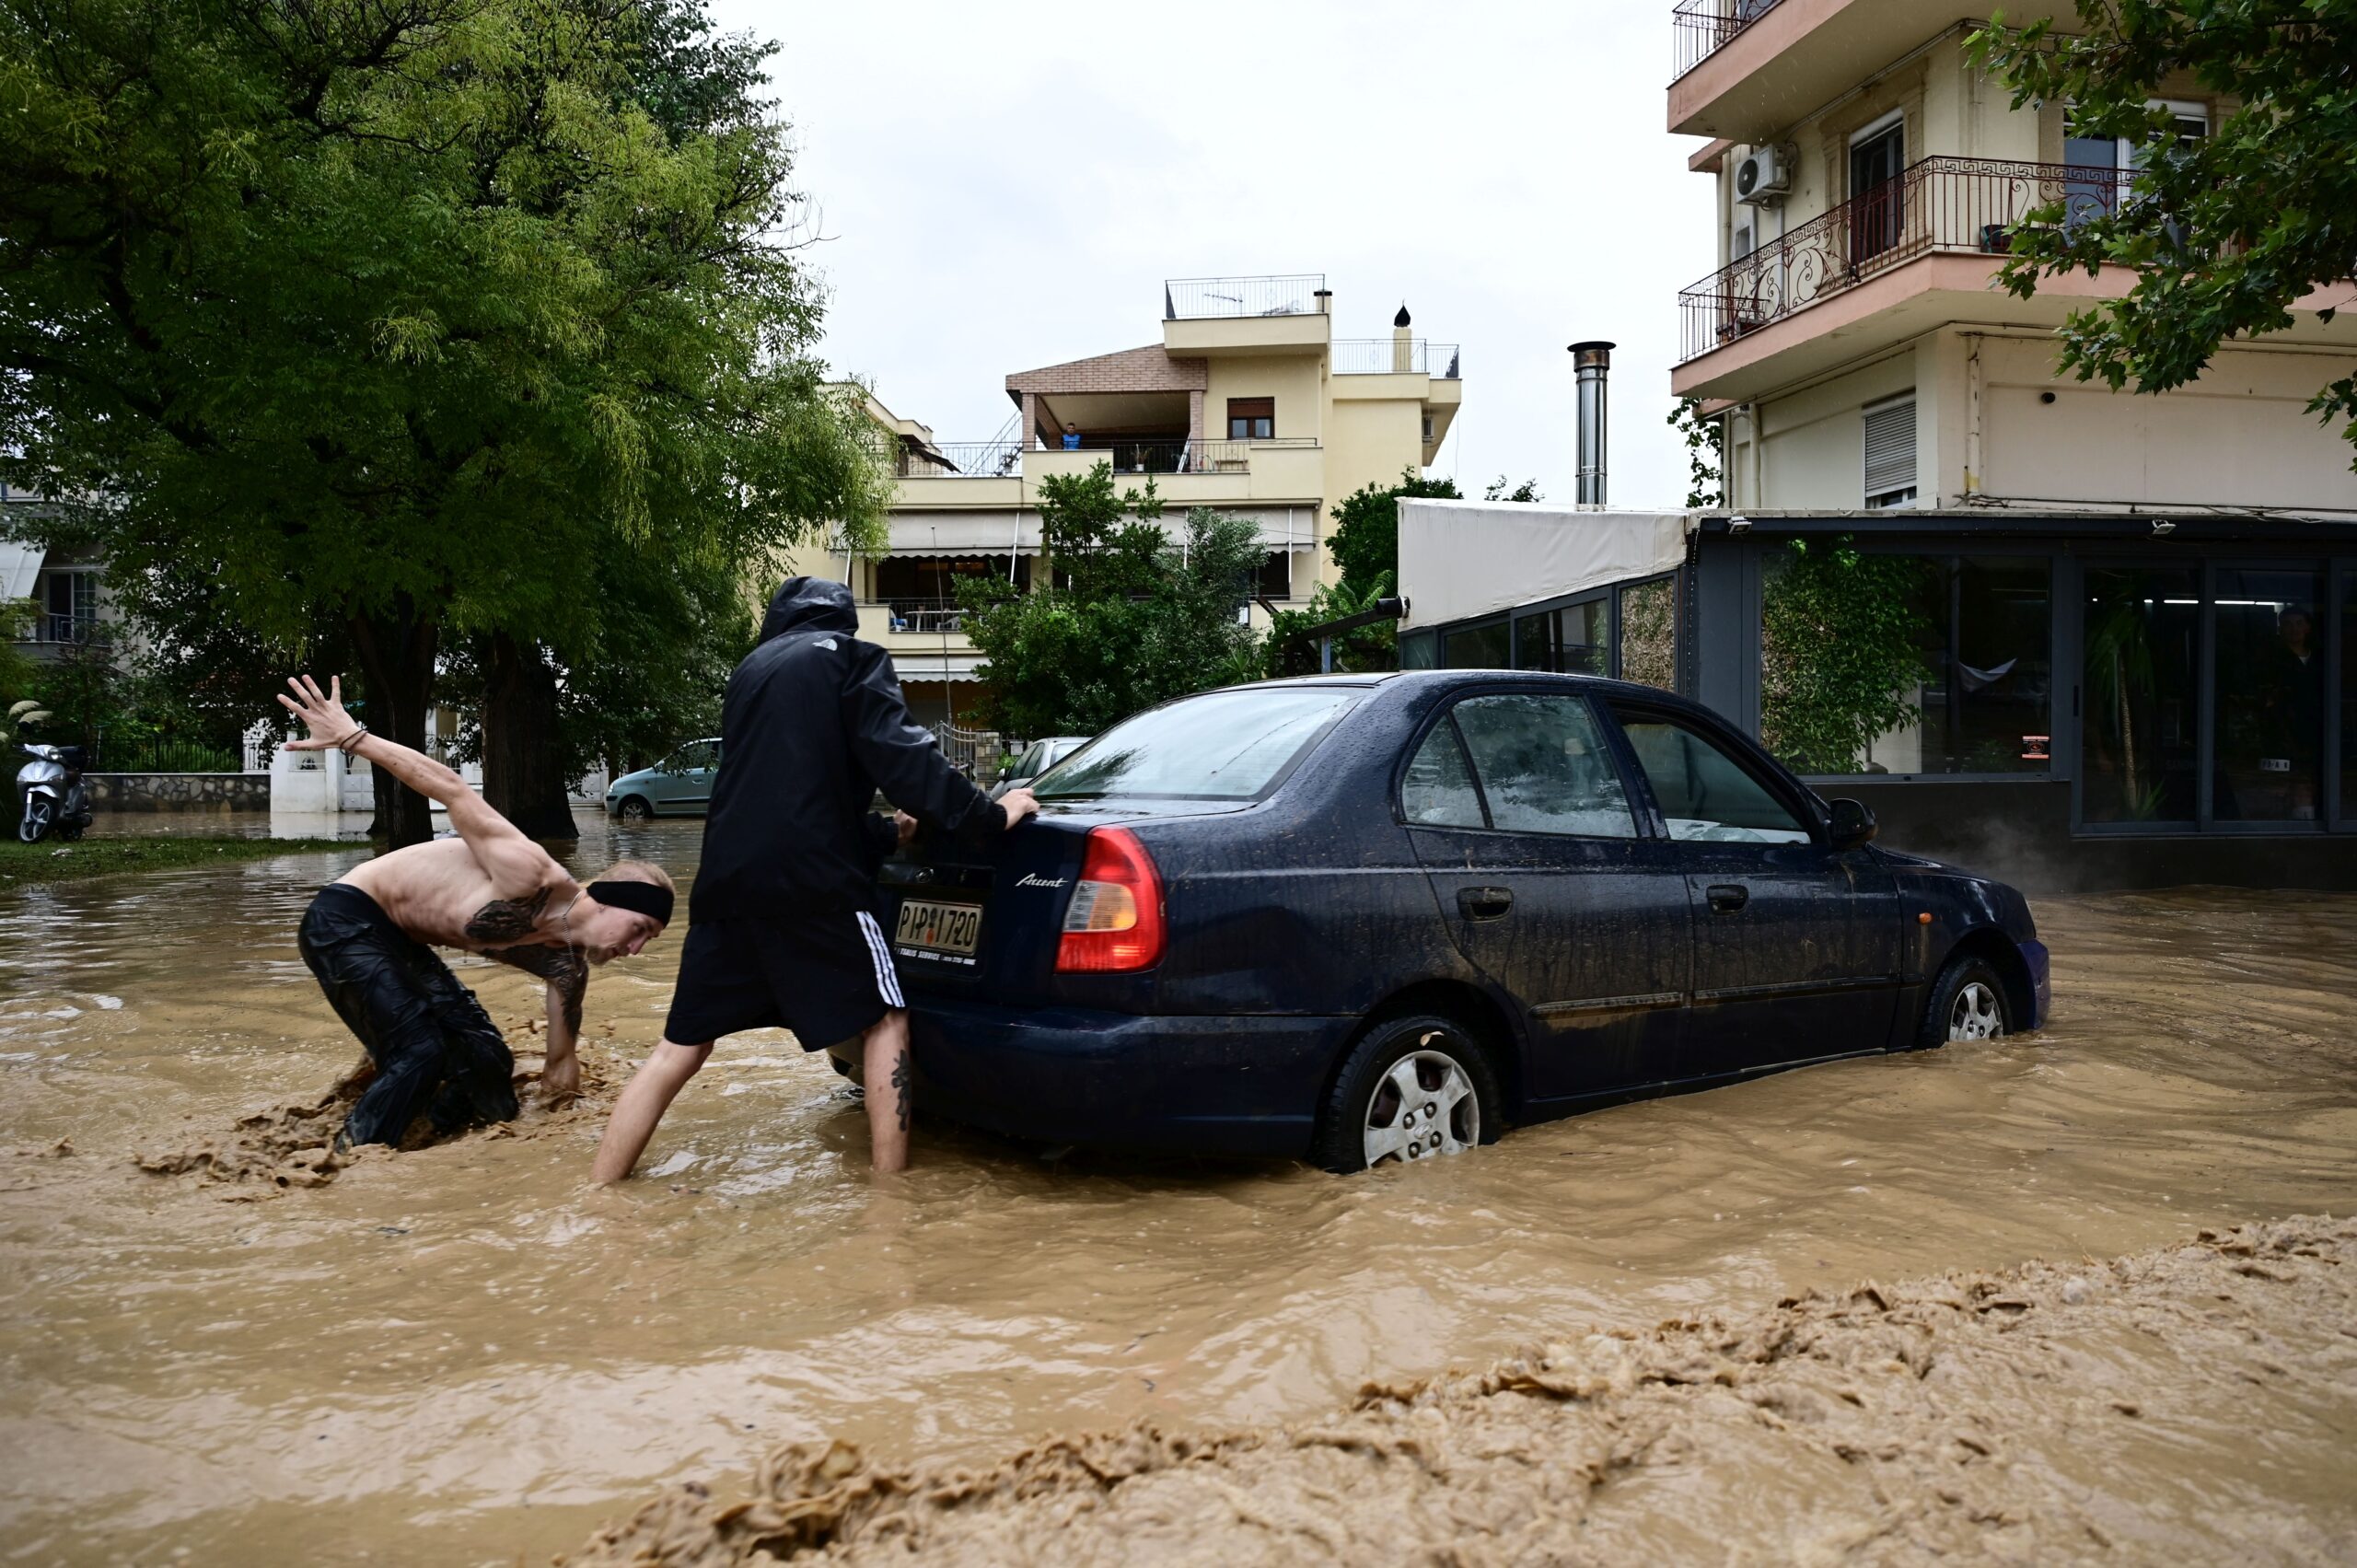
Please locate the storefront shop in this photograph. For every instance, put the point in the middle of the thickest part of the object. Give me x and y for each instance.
(2072, 700)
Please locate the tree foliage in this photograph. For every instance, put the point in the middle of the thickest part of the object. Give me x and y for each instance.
(412, 316)
(1135, 615)
(1365, 540)
(2226, 233)
(1841, 643)
(1503, 489)
(1706, 453)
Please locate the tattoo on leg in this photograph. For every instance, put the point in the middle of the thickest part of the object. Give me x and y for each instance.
(900, 1076)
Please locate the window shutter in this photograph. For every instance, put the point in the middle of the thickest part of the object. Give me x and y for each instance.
(1890, 450)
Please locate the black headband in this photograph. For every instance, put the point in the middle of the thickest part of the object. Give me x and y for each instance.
(644, 897)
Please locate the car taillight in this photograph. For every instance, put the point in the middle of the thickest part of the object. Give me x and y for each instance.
(1114, 921)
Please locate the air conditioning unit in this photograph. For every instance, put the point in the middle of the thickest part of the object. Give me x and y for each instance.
(1764, 178)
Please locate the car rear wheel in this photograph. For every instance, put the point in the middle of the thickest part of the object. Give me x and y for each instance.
(634, 809)
(1967, 1003)
(1411, 1089)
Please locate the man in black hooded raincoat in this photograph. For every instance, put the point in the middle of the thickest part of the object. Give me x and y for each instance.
(781, 921)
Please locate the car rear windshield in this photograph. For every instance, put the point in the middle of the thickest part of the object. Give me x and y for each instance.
(1220, 746)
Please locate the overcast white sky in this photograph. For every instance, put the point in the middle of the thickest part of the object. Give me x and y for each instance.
(1006, 185)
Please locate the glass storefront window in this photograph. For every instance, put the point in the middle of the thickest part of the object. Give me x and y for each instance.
(1874, 663)
(1649, 633)
(2140, 732)
(2271, 695)
(1566, 641)
(1419, 650)
(1477, 648)
(2349, 694)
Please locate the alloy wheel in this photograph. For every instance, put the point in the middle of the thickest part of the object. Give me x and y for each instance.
(636, 810)
(1422, 1108)
(1974, 1014)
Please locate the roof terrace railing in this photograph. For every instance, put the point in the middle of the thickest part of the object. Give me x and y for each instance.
(1194, 299)
(959, 460)
(1390, 357)
(1941, 203)
(1702, 28)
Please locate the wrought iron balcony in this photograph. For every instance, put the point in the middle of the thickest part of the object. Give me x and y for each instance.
(1164, 456)
(1955, 204)
(1702, 28)
(1390, 356)
(1195, 300)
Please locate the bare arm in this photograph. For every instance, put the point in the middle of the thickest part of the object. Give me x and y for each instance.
(567, 975)
(515, 866)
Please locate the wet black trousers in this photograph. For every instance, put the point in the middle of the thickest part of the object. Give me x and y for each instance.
(436, 1051)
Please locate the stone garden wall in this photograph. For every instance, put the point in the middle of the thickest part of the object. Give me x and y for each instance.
(179, 792)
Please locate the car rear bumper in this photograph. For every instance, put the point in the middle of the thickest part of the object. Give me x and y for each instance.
(2041, 981)
(1226, 1085)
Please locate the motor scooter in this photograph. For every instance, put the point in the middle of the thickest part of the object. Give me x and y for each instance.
(55, 797)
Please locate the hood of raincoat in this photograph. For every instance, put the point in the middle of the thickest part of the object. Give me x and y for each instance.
(810, 604)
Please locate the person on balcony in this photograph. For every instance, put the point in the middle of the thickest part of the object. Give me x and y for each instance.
(1072, 437)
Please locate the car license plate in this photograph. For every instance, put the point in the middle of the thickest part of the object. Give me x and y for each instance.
(944, 930)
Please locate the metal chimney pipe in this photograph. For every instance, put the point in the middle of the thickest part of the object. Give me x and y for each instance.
(1593, 362)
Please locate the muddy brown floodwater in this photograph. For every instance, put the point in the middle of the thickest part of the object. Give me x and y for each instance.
(463, 1354)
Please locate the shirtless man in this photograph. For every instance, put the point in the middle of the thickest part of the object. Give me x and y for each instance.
(490, 891)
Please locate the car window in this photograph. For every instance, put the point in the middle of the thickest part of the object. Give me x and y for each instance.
(1543, 766)
(1438, 790)
(1219, 746)
(694, 755)
(1032, 762)
(1704, 794)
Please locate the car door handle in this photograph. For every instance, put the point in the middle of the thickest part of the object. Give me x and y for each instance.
(1728, 897)
(1484, 903)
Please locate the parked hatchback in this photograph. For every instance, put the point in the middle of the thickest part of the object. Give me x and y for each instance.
(1379, 919)
(678, 785)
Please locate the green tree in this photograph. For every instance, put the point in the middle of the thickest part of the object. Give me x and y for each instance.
(1503, 489)
(2226, 233)
(1133, 615)
(1289, 649)
(1841, 651)
(1365, 540)
(411, 314)
(1706, 456)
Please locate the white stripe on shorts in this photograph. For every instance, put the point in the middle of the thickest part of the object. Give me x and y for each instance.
(887, 984)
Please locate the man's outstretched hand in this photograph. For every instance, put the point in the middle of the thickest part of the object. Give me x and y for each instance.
(1019, 803)
(321, 711)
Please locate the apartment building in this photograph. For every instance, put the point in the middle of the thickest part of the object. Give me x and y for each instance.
(1867, 177)
(1246, 404)
(2120, 630)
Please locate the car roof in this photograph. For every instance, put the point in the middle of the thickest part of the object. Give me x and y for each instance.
(1414, 678)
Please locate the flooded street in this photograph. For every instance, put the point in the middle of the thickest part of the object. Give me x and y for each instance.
(468, 1355)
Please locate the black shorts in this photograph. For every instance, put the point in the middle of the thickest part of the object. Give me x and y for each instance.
(438, 1053)
(828, 977)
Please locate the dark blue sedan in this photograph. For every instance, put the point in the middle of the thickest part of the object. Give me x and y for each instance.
(1381, 918)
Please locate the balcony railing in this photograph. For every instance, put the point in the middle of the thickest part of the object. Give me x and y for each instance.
(929, 616)
(1389, 356)
(1702, 28)
(51, 627)
(1167, 456)
(1194, 299)
(959, 460)
(1942, 204)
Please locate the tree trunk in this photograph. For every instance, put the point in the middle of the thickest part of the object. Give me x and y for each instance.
(523, 766)
(396, 650)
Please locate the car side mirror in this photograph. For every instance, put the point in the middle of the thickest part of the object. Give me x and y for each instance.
(1853, 825)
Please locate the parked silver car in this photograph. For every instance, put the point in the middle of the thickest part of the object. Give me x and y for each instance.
(678, 785)
(1037, 759)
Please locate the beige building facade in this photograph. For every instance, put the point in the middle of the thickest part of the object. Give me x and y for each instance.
(1867, 176)
(1247, 403)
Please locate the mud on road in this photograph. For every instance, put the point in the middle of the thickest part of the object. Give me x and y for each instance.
(464, 1355)
(2193, 1404)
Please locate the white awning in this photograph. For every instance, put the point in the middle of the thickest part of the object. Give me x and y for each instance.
(965, 533)
(1460, 559)
(20, 563)
(935, 667)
